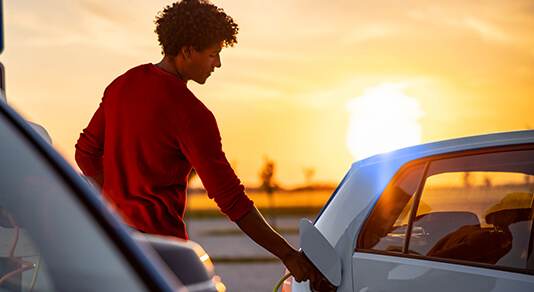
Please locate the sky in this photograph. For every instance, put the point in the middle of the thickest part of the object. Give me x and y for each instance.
(311, 85)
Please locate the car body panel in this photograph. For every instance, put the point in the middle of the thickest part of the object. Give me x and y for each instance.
(187, 259)
(407, 274)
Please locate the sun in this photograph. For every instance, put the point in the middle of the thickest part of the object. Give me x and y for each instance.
(383, 119)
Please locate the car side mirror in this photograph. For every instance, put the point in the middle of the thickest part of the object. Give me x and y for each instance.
(320, 252)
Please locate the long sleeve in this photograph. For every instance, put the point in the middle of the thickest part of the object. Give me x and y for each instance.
(90, 146)
(201, 143)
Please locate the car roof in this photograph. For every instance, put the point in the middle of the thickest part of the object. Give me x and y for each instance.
(453, 145)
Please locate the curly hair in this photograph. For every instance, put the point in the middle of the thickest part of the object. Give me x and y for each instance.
(195, 23)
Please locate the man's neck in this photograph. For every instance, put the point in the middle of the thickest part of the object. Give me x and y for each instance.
(168, 64)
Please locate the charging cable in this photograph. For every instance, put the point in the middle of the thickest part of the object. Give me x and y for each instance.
(28, 265)
(281, 281)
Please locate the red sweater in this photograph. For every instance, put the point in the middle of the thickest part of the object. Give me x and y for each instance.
(146, 135)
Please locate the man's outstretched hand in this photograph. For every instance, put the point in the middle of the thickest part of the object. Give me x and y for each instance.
(300, 267)
(255, 226)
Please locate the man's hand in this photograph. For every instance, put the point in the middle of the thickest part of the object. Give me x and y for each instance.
(300, 267)
(255, 226)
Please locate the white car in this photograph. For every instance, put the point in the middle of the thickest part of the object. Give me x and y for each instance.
(455, 215)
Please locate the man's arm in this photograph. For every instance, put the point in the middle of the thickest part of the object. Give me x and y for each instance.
(255, 226)
(90, 148)
(200, 142)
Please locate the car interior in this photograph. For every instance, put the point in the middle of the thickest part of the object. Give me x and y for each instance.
(475, 208)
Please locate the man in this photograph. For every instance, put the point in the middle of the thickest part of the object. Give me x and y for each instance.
(150, 131)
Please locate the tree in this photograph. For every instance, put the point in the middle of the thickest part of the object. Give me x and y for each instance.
(268, 185)
(266, 176)
(309, 172)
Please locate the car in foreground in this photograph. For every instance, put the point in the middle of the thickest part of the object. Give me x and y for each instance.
(454, 215)
(58, 234)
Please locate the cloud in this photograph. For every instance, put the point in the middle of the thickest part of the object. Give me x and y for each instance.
(109, 11)
(488, 31)
(120, 27)
(492, 21)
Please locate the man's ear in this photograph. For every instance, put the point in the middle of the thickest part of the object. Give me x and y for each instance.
(186, 51)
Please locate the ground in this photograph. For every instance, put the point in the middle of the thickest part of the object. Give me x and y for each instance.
(242, 265)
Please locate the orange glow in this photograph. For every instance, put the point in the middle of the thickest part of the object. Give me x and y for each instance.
(282, 90)
(218, 284)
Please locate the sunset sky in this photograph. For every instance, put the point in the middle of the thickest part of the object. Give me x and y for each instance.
(310, 84)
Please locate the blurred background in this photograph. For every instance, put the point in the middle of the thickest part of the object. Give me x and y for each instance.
(311, 86)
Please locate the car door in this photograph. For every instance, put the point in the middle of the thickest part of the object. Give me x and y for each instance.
(453, 222)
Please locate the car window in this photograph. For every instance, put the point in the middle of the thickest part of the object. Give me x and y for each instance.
(387, 224)
(476, 208)
(48, 239)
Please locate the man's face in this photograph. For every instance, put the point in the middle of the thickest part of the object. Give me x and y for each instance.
(203, 63)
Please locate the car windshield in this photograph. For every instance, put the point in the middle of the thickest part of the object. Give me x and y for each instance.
(48, 239)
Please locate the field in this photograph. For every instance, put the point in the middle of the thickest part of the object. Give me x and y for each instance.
(280, 203)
